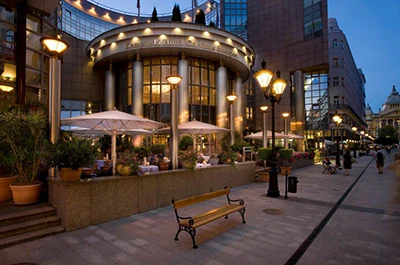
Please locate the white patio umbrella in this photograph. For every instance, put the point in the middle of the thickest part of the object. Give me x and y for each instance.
(112, 122)
(88, 131)
(258, 135)
(197, 127)
(327, 142)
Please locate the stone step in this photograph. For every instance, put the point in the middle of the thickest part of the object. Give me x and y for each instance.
(29, 226)
(21, 238)
(27, 215)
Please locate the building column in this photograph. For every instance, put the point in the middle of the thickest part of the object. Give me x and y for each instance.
(222, 92)
(109, 92)
(137, 86)
(21, 51)
(300, 112)
(238, 105)
(183, 90)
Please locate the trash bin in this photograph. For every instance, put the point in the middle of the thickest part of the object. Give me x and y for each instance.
(292, 184)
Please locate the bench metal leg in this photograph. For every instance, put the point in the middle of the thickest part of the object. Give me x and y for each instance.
(177, 233)
(226, 216)
(191, 232)
(242, 211)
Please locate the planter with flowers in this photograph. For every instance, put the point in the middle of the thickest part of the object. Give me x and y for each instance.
(71, 154)
(298, 160)
(127, 163)
(188, 158)
(285, 155)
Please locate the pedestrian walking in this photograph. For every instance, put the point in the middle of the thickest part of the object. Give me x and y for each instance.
(347, 162)
(379, 158)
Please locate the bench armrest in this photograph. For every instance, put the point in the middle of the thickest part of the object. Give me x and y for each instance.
(191, 221)
(241, 202)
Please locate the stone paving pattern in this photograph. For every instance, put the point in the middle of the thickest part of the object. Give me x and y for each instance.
(364, 230)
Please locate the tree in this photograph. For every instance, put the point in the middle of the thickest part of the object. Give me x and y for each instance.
(176, 13)
(388, 135)
(154, 15)
(200, 17)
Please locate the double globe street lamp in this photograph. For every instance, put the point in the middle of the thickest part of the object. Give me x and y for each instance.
(231, 98)
(273, 94)
(337, 120)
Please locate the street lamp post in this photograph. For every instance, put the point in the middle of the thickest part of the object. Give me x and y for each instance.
(55, 47)
(174, 81)
(231, 98)
(285, 116)
(337, 120)
(273, 94)
(264, 131)
(362, 140)
(354, 129)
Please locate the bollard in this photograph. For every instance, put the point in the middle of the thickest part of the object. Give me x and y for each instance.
(292, 184)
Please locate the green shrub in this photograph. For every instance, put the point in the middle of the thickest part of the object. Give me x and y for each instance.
(265, 153)
(185, 143)
(157, 149)
(141, 151)
(238, 146)
(285, 153)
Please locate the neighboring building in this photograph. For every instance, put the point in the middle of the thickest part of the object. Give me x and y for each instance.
(346, 84)
(23, 64)
(85, 20)
(292, 36)
(234, 17)
(388, 115)
(371, 120)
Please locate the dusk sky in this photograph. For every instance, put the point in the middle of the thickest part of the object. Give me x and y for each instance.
(372, 31)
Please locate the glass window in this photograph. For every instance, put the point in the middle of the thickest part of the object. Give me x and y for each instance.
(33, 59)
(33, 23)
(146, 75)
(129, 77)
(155, 74)
(204, 96)
(155, 94)
(146, 94)
(33, 40)
(166, 93)
(196, 95)
(204, 77)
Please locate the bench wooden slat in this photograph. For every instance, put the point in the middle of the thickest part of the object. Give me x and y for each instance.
(212, 215)
(200, 198)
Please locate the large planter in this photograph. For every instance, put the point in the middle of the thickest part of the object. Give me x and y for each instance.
(263, 176)
(26, 193)
(124, 170)
(70, 175)
(5, 191)
(163, 166)
(284, 169)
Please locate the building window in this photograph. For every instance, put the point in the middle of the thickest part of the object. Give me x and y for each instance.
(336, 100)
(249, 113)
(336, 81)
(312, 19)
(341, 44)
(334, 43)
(235, 17)
(335, 62)
(316, 99)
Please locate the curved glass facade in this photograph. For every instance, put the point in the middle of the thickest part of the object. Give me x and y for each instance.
(157, 92)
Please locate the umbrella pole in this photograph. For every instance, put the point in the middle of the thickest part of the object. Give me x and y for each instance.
(114, 150)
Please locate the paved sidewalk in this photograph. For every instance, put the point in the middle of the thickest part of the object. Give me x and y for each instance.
(363, 230)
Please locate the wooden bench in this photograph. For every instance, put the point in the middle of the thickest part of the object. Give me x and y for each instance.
(189, 224)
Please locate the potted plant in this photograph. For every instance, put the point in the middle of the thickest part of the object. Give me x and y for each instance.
(71, 154)
(127, 163)
(7, 175)
(24, 132)
(265, 155)
(229, 157)
(157, 156)
(284, 156)
(188, 158)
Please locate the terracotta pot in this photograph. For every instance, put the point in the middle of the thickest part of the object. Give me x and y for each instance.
(26, 193)
(124, 170)
(5, 191)
(284, 169)
(263, 176)
(70, 175)
(163, 166)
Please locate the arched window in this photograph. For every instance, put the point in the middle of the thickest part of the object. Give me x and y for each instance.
(334, 43)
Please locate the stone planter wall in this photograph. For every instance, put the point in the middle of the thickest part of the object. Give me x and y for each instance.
(82, 204)
(298, 163)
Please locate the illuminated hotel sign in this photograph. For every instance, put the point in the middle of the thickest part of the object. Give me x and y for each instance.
(180, 43)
